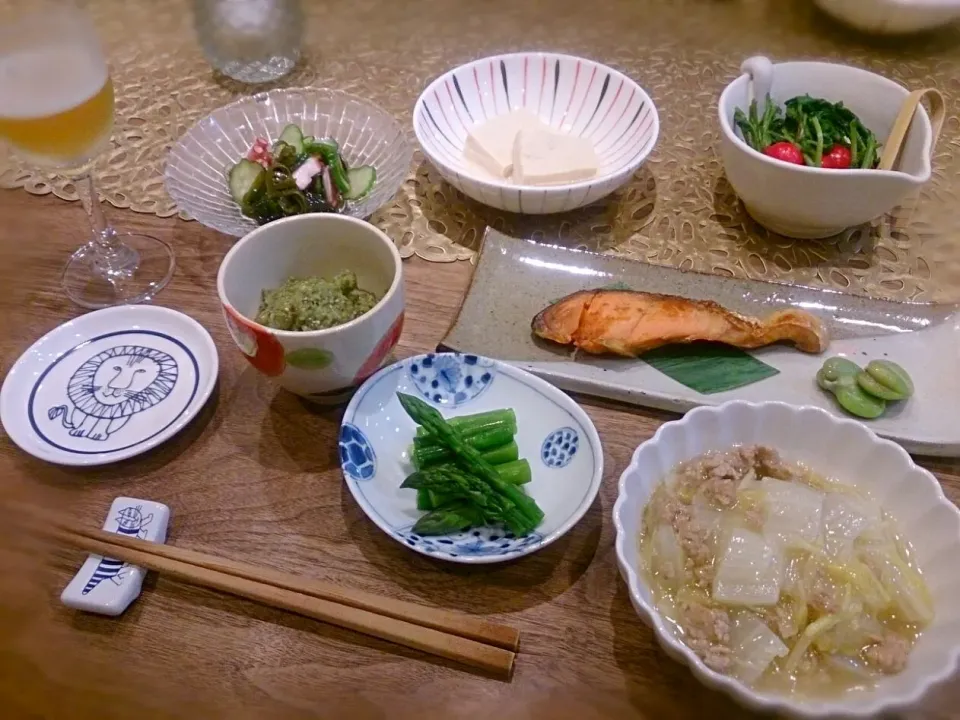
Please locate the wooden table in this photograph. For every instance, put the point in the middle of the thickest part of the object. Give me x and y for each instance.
(256, 478)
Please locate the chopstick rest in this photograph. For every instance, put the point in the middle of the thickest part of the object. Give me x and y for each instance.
(108, 586)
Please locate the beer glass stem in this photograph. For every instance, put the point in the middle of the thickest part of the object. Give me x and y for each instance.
(112, 260)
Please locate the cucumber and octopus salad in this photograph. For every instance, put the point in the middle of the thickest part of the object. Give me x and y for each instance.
(296, 175)
(809, 131)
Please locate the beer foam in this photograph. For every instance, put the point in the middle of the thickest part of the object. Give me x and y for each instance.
(49, 79)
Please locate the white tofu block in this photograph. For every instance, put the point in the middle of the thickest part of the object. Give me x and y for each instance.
(490, 144)
(544, 157)
(106, 586)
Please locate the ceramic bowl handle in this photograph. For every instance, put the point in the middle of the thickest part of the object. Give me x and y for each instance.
(760, 70)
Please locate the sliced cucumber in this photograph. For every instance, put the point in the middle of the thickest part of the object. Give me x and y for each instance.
(361, 181)
(242, 177)
(329, 143)
(254, 195)
(293, 137)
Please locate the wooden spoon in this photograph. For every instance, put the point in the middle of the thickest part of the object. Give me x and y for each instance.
(894, 143)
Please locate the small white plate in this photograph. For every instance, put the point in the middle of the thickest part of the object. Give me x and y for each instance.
(108, 385)
(376, 435)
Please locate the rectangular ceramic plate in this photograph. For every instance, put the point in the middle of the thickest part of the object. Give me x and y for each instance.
(515, 279)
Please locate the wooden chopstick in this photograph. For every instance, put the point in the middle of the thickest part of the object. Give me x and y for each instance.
(254, 585)
(901, 124)
(465, 626)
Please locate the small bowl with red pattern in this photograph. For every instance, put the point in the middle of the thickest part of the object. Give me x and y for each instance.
(320, 365)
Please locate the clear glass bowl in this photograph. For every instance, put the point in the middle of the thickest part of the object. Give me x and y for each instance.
(368, 135)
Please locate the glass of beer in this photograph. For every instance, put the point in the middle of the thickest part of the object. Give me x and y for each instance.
(56, 111)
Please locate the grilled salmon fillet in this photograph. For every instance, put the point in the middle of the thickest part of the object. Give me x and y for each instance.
(628, 323)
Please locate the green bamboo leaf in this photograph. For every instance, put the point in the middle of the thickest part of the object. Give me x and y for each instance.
(309, 358)
(708, 368)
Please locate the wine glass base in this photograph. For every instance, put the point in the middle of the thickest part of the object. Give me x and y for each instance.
(146, 268)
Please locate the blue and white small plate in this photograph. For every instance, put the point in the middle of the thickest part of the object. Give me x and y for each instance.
(554, 434)
(108, 385)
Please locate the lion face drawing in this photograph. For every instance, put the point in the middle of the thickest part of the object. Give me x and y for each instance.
(124, 377)
(112, 386)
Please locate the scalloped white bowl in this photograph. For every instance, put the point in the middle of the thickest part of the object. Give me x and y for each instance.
(840, 448)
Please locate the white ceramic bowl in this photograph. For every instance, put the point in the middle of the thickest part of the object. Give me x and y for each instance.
(568, 93)
(840, 448)
(321, 365)
(554, 435)
(808, 202)
(892, 17)
(195, 175)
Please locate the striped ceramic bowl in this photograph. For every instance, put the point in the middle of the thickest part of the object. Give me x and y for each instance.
(569, 94)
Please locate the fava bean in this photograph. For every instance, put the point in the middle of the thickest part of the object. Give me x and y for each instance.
(840, 377)
(834, 370)
(885, 379)
(855, 400)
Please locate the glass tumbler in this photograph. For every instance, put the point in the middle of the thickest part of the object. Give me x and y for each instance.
(253, 41)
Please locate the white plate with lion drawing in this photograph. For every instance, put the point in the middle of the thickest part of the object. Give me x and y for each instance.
(554, 434)
(108, 385)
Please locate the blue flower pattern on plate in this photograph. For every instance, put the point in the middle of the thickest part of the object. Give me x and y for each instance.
(560, 447)
(450, 378)
(357, 457)
(477, 542)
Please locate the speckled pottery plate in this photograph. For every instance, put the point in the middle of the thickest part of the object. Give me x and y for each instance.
(108, 385)
(515, 279)
(553, 433)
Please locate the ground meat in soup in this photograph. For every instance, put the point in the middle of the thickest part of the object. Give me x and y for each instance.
(724, 473)
(703, 501)
(825, 597)
(694, 537)
(707, 633)
(889, 655)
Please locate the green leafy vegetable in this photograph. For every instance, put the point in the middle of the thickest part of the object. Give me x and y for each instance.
(813, 125)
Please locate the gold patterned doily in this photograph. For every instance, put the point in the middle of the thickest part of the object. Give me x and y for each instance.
(678, 210)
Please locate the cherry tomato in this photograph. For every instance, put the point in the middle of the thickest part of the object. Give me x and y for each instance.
(785, 152)
(838, 158)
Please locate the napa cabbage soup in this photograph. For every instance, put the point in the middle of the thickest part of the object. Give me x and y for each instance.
(784, 579)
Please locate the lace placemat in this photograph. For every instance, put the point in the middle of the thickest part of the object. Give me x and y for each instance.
(678, 211)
